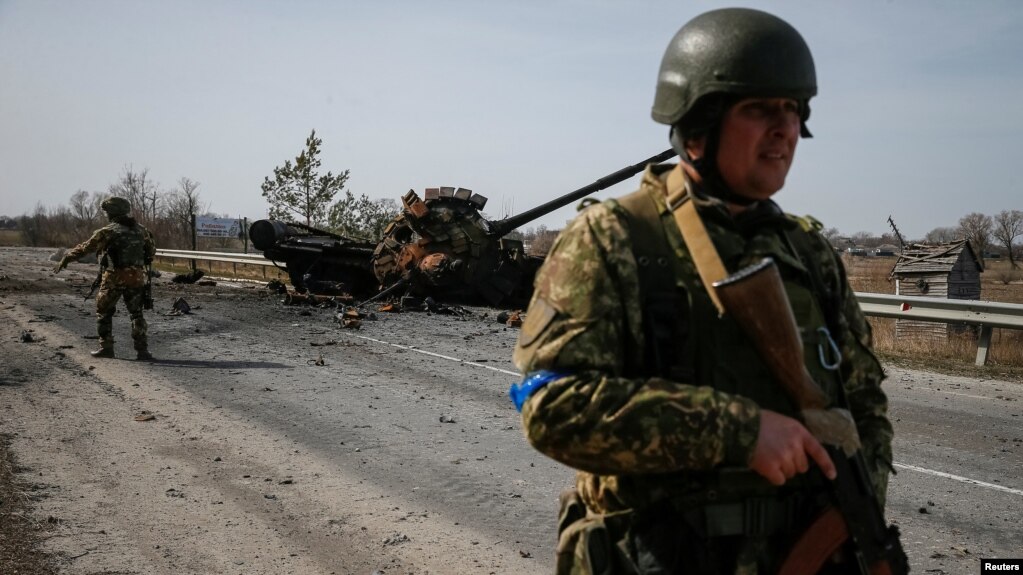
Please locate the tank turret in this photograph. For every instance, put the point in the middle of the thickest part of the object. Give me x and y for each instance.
(443, 246)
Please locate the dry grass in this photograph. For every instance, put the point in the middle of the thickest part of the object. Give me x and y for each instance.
(956, 354)
(223, 269)
(10, 238)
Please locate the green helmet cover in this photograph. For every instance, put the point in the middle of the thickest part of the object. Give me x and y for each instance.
(116, 206)
(732, 51)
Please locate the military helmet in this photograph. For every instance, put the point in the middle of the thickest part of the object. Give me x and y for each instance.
(116, 206)
(736, 52)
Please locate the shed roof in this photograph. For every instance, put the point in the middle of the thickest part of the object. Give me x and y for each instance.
(934, 258)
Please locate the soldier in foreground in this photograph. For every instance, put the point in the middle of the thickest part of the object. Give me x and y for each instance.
(125, 249)
(691, 456)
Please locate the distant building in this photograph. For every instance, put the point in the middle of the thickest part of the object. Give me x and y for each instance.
(886, 250)
(950, 270)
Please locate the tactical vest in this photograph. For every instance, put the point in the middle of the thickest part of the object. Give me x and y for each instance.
(127, 246)
(687, 341)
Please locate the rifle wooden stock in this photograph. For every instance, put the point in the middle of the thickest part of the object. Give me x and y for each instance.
(756, 299)
(819, 543)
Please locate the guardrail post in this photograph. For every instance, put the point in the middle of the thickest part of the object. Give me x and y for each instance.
(984, 344)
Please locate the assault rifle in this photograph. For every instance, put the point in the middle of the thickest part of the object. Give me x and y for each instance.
(147, 295)
(756, 298)
(99, 275)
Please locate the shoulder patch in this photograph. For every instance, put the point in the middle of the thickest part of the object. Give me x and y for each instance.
(538, 317)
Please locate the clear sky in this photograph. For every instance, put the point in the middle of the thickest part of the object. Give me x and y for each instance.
(918, 113)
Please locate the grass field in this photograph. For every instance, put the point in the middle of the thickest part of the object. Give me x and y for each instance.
(10, 238)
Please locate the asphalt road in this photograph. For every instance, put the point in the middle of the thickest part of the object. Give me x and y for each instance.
(408, 454)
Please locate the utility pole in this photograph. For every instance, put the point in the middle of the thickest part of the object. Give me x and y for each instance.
(902, 242)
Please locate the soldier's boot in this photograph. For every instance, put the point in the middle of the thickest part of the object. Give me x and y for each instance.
(143, 355)
(103, 352)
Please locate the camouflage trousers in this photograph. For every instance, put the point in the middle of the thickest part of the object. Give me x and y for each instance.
(106, 305)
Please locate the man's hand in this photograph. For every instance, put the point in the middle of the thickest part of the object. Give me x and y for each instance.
(782, 448)
(60, 265)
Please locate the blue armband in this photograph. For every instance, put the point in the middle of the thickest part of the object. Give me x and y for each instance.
(520, 392)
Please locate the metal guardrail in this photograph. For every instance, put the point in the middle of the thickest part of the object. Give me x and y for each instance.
(988, 315)
(226, 257)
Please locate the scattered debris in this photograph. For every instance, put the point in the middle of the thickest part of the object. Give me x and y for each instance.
(145, 416)
(180, 307)
(525, 554)
(447, 419)
(396, 539)
(350, 318)
(328, 342)
(434, 307)
(389, 307)
(277, 287)
(412, 303)
(206, 283)
(295, 298)
(189, 278)
(510, 318)
(26, 336)
(318, 361)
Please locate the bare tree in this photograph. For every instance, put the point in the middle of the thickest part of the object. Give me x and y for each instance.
(181, 205)
(85, 210)
(942, 235)
(142, 192)
(833, 236)
(542, 241)
(1008, 225)
(976, 227)
(863, 239)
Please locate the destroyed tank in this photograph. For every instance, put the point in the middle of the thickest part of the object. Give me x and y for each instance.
(441, 245)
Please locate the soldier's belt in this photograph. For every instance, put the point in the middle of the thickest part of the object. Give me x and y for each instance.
(752, 516)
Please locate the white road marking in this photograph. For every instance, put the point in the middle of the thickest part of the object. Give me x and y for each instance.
(447, 357)
(952, 392)
(959, 478)
(517, 374)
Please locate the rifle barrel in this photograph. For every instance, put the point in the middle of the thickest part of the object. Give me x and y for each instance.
(502, 227)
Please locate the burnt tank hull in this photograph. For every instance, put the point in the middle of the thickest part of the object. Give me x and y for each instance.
(316, 260)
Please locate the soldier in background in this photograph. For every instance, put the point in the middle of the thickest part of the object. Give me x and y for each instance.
(125, 249)
(690, 455)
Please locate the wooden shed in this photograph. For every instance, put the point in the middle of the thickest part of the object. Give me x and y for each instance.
(950, 270)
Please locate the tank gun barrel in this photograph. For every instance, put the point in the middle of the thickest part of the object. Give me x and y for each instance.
(502, 227)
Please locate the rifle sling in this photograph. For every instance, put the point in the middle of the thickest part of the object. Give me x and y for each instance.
(701, 247)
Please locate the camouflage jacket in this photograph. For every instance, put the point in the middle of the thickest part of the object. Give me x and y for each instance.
(635, 437)
(121, 237)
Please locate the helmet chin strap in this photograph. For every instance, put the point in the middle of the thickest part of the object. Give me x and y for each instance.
(713, 184)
